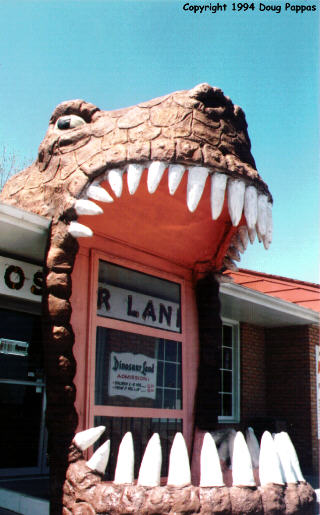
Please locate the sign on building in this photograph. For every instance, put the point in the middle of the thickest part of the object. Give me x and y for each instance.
(21, 280)
(131, 306)
(132, 375)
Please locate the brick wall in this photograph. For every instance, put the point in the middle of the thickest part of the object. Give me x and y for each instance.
(314, 340)
(291, 395)
(253, 373)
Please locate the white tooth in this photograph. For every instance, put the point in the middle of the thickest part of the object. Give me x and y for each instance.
(125, 463)
(99, 460)
(211, 474)
(218, 188)
(252, 235)
(262, 214)
(79, 230)
(268, 237)
(175, 174)
(179, 468)
(115, 181)
(253, 446)
(242, 472)
(288, 473)
(236, 189)
(228, 263)
(155, 174)
(287, 442)
(197, 177)
(233, 253)
(86, 207)
(96, 192)
(134, 176)
(84, 439)
(269, 464)
(251, 206)
(150, 469)
(243, 235)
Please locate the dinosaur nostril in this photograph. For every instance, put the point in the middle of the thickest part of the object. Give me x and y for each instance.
(209, 96)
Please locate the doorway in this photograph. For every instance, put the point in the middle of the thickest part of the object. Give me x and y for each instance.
(22, 394)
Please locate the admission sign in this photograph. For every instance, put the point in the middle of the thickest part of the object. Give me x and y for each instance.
(132, 375)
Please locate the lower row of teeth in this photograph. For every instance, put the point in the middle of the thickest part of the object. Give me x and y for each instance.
(276, 459)
(242, 198)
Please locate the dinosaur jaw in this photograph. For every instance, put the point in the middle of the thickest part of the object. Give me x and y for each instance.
(185, 201)
(281, 487)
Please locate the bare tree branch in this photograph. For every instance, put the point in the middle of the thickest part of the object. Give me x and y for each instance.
(10, 164)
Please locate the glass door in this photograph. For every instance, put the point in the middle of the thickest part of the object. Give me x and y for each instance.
(22, 395)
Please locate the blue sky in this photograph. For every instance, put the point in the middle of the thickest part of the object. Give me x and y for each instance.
(118, 53)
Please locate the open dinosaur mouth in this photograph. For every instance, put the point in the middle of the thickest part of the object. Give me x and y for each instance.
(249, 210)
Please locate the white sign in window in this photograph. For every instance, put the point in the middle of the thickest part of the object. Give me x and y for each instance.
(131, 306)
(137, 297)
(137, 370)
(132, 375)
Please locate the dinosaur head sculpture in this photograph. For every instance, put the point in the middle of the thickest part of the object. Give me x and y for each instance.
(198, 138)
(182, 164)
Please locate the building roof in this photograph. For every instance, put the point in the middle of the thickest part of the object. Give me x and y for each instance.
(291, 290)
(23, 234)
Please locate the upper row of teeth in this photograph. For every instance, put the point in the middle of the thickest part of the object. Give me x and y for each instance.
(242, 197)
(276, 458)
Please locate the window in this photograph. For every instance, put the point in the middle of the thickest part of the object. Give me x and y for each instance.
(137, 370)
(229, 373)
(137, 358)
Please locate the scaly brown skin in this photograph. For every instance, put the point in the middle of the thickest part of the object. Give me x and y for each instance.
(196, 127)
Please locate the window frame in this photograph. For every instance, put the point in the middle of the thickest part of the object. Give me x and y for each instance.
(235, 417)
(95, 320)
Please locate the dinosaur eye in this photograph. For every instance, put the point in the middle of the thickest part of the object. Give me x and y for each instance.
(69, 122)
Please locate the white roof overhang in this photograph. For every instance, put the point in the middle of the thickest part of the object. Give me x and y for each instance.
(23, 234)
(245, 305)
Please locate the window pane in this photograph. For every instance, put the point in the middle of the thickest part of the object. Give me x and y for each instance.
(171, 351)
(161, 349)
(160, 373)
(129, 373)
(227, 336)
(227, 381)
(170, 375)
(169, 399)
(227, 405)
(21, 347)
(159, 399)
(227, 358)
(229, 373)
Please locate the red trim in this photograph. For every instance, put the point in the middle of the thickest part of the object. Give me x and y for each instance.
(291, 290)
